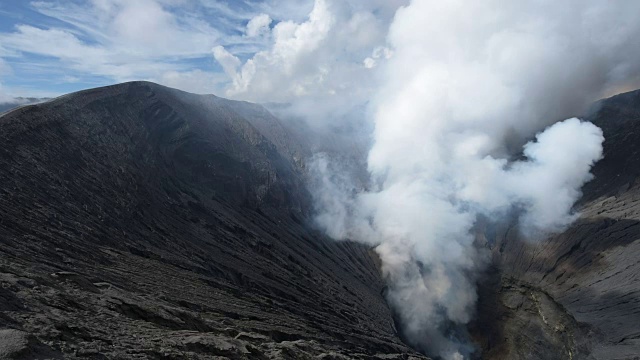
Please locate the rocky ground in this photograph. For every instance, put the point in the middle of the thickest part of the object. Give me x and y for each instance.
(137, 221)
(575, 295)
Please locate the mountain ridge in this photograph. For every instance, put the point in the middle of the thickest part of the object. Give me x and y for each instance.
(141, 222)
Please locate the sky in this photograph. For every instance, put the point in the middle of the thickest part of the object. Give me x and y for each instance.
(269, 51)
(52, 47)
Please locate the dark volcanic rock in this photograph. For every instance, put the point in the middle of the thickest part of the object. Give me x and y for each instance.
(588, 276)
(138, 221)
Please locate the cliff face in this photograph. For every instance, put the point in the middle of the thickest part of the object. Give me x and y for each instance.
(138, 221)
(576, 294)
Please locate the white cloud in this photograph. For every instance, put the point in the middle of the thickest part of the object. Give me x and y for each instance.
(287, 10)
(228, 61)
(136, 28)
(4, 70)
(57, 43)
(70, 79)
(124, 40)
(258, 26)
(378, 53)
(226, 11)
(117, 39)
(4, 97)
(292, 43)
(197, 81)
(302, 61)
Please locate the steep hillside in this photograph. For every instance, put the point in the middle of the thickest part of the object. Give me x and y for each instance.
(577, 294)
(138, 221)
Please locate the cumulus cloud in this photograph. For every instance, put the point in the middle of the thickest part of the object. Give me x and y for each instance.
(228, 61)
(378, 53)
(302, 60)
(292, 42)
(259, 25)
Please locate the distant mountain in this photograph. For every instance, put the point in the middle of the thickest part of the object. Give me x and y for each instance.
(138, 221)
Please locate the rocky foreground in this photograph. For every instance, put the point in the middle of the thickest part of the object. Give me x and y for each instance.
(138, 221)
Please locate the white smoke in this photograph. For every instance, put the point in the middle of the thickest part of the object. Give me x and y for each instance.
(461, 90)
(466, 86)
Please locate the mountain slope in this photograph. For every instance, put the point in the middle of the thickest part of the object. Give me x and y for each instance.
(576, 294)
(138, 221)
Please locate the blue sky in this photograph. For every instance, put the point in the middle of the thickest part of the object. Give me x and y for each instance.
(51, 47)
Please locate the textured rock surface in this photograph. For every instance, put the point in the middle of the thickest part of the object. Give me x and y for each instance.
(13, 343)
(137, 221)
(577, 294)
